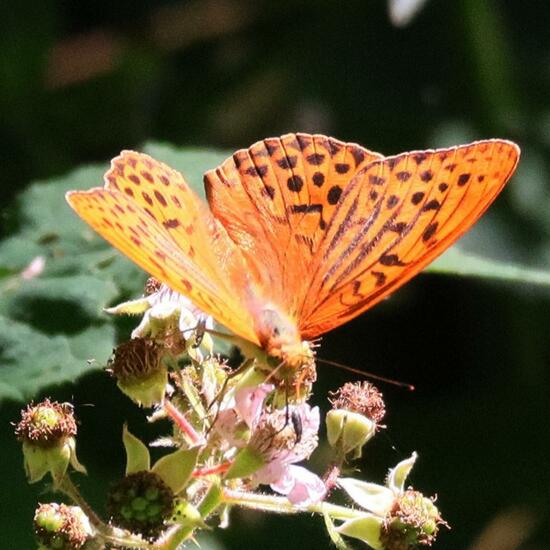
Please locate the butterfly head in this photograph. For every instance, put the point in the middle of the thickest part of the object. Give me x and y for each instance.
(280, 338)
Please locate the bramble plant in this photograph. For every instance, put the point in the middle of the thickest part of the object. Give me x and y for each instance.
(235, 431)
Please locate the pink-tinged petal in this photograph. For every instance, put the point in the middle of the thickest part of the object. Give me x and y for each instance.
(311, 418)
(249, 402)
(272, 472)
(300, 486)
(229, 427)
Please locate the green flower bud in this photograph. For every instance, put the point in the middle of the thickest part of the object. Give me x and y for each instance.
(141, 375)
(348, 431)
(47, 433)
(412, 521)
(61, 527)
(142, 503)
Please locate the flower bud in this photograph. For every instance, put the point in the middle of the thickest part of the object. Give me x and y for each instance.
(61, 527)
(141, 502)
(412, 521)
(141, 375)
(47, 433)
(348, 431)
(357, 409)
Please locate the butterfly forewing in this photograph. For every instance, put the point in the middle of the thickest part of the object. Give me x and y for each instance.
(276, 198)
(395, 217)
(148, 212)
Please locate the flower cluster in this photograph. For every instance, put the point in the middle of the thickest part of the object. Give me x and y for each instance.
(241, 436)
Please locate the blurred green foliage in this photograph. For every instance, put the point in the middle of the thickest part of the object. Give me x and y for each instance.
(81, 81)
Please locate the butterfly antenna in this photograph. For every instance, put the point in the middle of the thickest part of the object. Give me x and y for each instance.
(405, 385)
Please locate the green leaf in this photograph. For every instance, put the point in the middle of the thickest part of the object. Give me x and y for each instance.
(191, 162)
(53, 323)
(456, 262)
(41, 299)
(31, 360)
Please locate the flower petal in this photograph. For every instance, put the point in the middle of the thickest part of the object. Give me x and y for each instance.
(301, 486)
(249, 402)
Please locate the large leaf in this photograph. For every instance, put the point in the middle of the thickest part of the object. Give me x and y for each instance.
(31, 360)
(53, 323)
(459, 263)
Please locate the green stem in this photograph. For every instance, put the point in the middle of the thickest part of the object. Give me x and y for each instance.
(174, 538)
(104, 531)
(281, 505)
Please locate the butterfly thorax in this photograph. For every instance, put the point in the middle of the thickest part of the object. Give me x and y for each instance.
(280, 338)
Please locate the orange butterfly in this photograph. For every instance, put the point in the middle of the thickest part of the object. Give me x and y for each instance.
(304, 232)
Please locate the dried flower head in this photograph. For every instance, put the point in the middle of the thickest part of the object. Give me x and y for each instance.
(360, 397)
(137, 358)
(138, 367)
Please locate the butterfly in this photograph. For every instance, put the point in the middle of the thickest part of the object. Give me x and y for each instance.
(301, 233)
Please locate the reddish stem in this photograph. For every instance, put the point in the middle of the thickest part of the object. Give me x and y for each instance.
(218, 469)
(182, 423)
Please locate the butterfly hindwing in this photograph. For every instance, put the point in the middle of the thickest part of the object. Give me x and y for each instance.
(395, 217)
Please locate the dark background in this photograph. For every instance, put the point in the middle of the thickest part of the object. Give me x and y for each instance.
(79, 81)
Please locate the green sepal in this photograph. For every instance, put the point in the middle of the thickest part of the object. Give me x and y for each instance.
(147, 391)
(398, 476)
(137, 453)
(245, 464)
(370, 496)
(333, 534)
(349, 430)
(176, 468)
(131, 307)
(366, 528)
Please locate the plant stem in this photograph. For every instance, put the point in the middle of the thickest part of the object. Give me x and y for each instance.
(104, 531)
(182, 423)
(281, 505)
